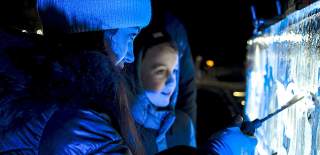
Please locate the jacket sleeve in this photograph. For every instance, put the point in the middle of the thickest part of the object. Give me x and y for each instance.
(217, 146)
(232, 141)
(81, 132)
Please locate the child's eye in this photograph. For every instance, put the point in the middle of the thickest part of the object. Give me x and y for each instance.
(160, 72)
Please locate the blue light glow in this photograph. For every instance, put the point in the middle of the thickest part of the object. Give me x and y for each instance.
(284, 61)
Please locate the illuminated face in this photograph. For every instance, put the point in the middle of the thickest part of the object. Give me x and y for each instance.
(121, 43)
(159, 73)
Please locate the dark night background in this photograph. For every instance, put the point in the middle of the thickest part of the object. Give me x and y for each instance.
(219, 30)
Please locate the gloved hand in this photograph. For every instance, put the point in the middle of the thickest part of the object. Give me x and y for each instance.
(249, 127)
(232, 141)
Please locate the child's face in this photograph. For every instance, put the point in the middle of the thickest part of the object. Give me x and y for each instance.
(159, 73)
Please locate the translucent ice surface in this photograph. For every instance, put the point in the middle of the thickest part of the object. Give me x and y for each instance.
(282, 62)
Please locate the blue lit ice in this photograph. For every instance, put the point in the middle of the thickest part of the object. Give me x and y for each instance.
(282, 62)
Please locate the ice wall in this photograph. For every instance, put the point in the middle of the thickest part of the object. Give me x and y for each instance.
(282, 62)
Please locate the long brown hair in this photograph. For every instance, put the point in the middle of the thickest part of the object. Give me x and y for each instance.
(108, 86)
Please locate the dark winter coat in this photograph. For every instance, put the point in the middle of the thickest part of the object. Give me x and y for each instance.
(44, 101)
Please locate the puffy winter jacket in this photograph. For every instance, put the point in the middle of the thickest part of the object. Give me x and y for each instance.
(42, 125)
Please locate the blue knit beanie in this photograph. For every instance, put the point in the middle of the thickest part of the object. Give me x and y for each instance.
(72, 16)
